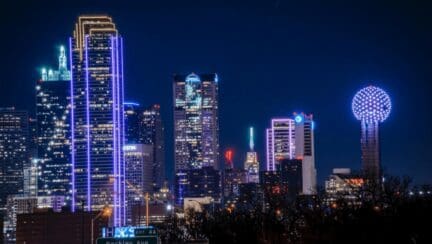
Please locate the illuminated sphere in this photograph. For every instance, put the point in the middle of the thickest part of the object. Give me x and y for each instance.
(371, 104)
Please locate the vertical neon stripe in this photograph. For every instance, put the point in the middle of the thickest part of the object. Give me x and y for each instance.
(88, 127)
(268, 148)
(72, 121)
(117, 110)
(273, 143)
(123, 133)
(290, 137)
(113, 88)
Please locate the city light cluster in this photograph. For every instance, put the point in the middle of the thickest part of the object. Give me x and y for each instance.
(371, 105)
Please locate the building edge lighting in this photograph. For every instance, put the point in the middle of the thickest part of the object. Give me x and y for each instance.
(123, 128)
(72, 126)
(88, 125)
(114, 114)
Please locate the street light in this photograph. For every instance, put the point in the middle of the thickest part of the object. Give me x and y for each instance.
(106, 212)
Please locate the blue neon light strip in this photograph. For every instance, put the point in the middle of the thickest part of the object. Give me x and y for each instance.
(116, 138)
(72, 126)
(88, 126)
(128, 103)
(114, 132)
(122, 124)
(118, 131)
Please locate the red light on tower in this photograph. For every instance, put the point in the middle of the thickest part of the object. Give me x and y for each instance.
(229, 157)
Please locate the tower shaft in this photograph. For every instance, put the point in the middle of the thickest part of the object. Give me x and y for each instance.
(371, 164)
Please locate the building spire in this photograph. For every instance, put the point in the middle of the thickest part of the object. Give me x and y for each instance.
(251, 139)
(62, 59)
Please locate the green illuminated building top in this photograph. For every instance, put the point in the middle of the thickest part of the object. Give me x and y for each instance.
(62, 73)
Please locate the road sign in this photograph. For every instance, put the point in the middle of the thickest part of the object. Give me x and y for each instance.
(130, 240)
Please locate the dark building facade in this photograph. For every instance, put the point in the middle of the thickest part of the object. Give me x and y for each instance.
(291, 176)
(14, 151)
(47, 227)
(53, 130)
(204, 182)
(144, 126)
(231, 179)
(251, 197)
(283, 185)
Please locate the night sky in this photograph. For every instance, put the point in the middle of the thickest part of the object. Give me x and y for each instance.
(272, 57)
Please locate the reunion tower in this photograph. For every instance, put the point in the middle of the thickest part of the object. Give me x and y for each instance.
(371, 105)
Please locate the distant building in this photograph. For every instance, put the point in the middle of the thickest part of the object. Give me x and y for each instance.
(342, 184)
(164, 194)
(196, 121)
(158, 213)
(272, 184)
(229, 155)
(46, 226)
(56, 203)
(144, 126)
(204, 182)
(132, 115)
(14, 152)
(305, 150)
(31, 176)
(33, 135)
(251, 197)
(1, 228)
(251, 164)
(291, 177)
(20, 204)
(280, 142)
(293, 138)
(17, 204)
(232, 178)
(139, 160)
(53, 130)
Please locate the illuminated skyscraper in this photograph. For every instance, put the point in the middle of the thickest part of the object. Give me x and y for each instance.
(372, 106)
(14, 154)
(251, 164)
(196, 122)
(293, 138)
(97, 118)
(144, 126)
(53, 130)
(305, 150)
(139, 163)
(153, 130)
(280, 142)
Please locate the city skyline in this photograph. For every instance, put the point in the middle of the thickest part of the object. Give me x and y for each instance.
(280, 107)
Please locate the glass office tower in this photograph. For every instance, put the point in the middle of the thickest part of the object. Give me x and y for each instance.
(97, 117)
(53, 130)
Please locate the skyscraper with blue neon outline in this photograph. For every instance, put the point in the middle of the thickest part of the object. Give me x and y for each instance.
(97, 117)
